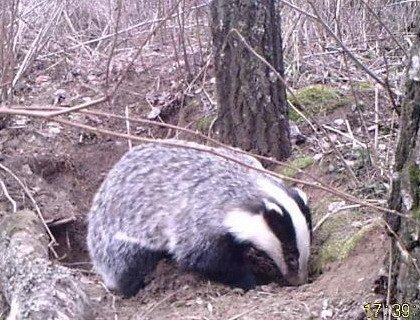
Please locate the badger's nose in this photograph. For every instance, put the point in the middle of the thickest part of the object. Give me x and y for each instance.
(297, 280)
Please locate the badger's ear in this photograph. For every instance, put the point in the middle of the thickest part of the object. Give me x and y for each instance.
(271, 206)
(302, 195)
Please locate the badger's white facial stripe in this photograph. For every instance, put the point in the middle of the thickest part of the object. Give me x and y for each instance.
(247, 226)
(302, 195)
(298, 219)
(122, 236)
(272, 206)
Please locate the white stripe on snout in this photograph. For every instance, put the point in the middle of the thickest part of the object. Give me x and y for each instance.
(298, 219)
(122, 236)
(247, 226)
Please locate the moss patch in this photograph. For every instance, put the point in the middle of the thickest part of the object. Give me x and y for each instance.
(300, 163)
(414, 172)
(338, 249)
(337, 237)
(203, 124)
(294, 116)
(363, 86)
(316, 100)
(414, 176)
(416, 214)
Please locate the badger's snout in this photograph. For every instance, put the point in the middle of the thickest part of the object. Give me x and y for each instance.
(296, 279)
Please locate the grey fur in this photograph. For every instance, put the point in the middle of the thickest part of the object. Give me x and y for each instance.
(163, 199)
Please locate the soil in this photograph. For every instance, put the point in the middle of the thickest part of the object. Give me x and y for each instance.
(340, 293)
(62, 167)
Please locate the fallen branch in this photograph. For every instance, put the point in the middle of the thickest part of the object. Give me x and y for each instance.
(37, 209)
(35, 287)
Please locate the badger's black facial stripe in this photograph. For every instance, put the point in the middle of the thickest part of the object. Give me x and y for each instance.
(302, 206)
(282, 226)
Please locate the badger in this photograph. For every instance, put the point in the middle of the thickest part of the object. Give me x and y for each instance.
(202, 210)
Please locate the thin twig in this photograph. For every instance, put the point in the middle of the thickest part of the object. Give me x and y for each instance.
(301, 114)
(158, 303)
(350, 131)
(108, 36)
(298, 9)
(388, 293)
(7, 195)
(127, 125)
(351, 137)
(78, 107)
(391, 34)
(113, 45)
(405, 255)
(37, 209)
(243, 313)
(280, 78)
(42, 35)
(44, 112)
(332, 212)
(140, 49)
(349, 53)
(317, 184)
(375, 137)
(59, 222)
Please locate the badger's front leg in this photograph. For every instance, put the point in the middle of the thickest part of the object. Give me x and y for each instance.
(222, 260)
(124, 266)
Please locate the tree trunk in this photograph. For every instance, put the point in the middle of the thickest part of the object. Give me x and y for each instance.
(252, 105)
(34, 287)
(405, 193)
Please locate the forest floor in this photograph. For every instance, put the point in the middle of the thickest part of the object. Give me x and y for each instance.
(63, 167)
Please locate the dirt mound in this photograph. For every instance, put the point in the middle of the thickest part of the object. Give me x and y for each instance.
(340, 293)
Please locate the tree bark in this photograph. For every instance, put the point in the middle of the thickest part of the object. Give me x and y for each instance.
(405, 192)
(34, 287)
(252, 108)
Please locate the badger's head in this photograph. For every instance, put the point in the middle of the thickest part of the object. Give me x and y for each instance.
(280, 225)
